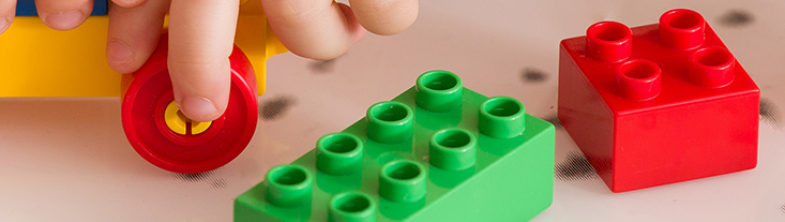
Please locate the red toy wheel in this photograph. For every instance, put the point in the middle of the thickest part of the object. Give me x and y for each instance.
(192, 148)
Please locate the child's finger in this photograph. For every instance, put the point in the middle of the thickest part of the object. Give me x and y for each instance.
(133, 34)
(317, 29)
(201, 38)
(385, 17)
(7, 12)
(64, 15)
(130, 3)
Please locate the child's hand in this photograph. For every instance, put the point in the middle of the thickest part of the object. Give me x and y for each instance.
(201, 34)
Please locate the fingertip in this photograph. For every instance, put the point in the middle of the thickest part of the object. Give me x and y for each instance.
(133, 34)
(201, 87)
(200, 109)
(314, 29)
(5, 23)
(386, 17)
(65, 20)
(7, 13)
(128, 3)
(359, 34)
(120, 56)
(356, 31)
(201, 39)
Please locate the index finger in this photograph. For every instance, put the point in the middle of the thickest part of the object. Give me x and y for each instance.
(201, 38)
(7, 12)
(385, 17)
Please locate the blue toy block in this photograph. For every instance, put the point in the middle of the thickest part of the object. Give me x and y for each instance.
(27, 8)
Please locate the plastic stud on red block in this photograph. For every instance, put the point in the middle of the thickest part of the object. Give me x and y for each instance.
(639, 79)
(658, 104)
(682, 29)
(712, 67)
(181, 145)
(608, 41)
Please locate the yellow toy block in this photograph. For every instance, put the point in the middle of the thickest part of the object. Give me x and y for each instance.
(36, 61)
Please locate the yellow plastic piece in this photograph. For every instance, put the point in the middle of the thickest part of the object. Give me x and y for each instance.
(174, 119)
(199, 127)
(178, 123)
(36, 61)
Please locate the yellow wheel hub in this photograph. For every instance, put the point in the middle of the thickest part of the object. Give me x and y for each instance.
(178, 123)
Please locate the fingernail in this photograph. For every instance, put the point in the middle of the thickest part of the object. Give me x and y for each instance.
(198, 108)
(63, 21)
(119, 52)
(4, 24)
(127, 3)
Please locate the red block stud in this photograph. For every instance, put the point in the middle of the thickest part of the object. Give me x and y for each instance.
(639, 79)
(712, 67)
(682, 29)
(608, 41)
(164, 137)
(658, 104)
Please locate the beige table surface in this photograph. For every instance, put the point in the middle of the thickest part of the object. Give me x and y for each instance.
(68, 159)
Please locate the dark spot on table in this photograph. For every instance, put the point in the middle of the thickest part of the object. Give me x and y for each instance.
(554, 119)
(193, 177)
(323, 66)
(219, 183)
(736, 18)
(575, 167)
(533, 75)
(769, 112)
(276, 107)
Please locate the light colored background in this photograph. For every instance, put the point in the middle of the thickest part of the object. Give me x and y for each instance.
(68, 159)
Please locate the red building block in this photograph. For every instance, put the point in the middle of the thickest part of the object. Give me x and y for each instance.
(658, 104)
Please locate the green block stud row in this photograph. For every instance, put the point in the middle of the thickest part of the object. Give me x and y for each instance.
(437, 152)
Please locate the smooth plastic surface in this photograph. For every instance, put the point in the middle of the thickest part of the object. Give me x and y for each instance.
(339, 154)
(352, 207)
(147, 129)
(608, 41)
(27, 8)
(288, 186)
(502, 117)
(679, 108)
(390, 122)
(439, 91)
(476, 177)
(453, 149)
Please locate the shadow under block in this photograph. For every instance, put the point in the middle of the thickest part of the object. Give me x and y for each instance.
(511, 178)
(671, 105)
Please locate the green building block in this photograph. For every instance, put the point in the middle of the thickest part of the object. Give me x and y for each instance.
(437, 152)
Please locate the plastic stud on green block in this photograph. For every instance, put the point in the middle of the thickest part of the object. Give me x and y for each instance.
(439, 91)
(352, 207)
(402, 181)
(502, 117)
(407, 160)
(288, 186)
(390, 122)
(339, 154)
(453, 149)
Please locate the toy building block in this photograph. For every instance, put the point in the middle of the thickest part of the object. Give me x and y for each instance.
(50, 63)
(27, 8)
(437, 152)
(657, 104)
